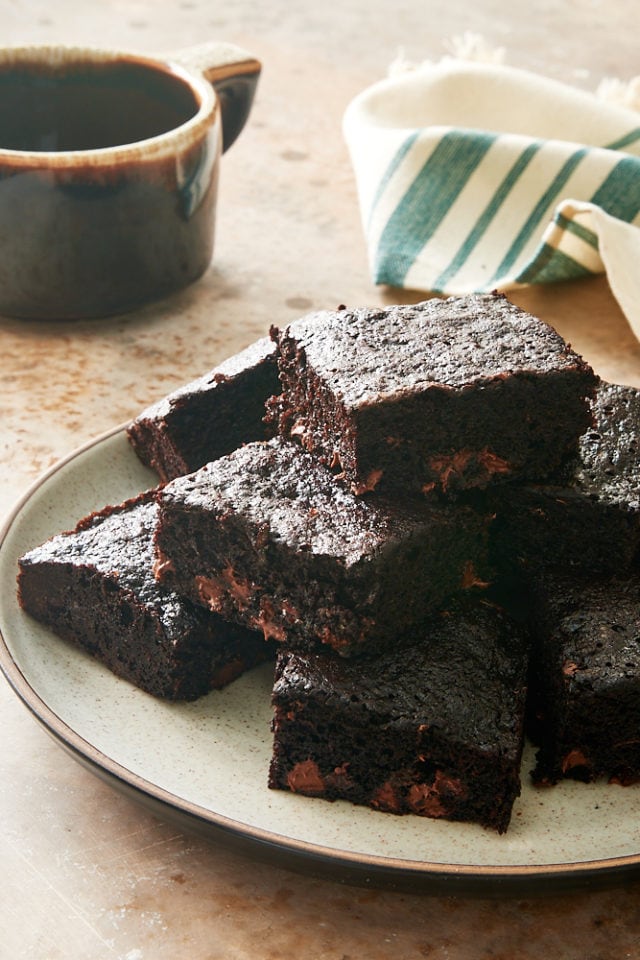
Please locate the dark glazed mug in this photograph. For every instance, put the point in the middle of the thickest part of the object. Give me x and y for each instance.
(109, 168)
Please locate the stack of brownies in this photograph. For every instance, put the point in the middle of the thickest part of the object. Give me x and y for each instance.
(430, 516)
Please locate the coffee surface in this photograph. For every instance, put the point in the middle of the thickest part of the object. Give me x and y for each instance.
(87, 106)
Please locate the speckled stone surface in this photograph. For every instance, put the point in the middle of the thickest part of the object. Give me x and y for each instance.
(86, 871)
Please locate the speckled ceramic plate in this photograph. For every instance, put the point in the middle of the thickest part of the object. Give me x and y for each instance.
(204, 764)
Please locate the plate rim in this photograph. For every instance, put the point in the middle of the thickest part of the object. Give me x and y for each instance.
(306, 856)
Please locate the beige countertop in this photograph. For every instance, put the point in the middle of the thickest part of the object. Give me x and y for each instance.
(87, 872)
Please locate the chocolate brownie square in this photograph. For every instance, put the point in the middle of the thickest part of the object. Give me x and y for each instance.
(439, 395)
(210, 416)
(434, 726)
(589, 521)
(585, 679)
(266, 537)
(95, 587)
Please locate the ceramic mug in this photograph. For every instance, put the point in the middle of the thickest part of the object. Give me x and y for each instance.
(109, 167)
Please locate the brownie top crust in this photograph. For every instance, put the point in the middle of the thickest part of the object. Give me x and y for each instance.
(463, 670)
(117, 542)
(277, 486)
(366, 354)
(262, 351)
(608, 464)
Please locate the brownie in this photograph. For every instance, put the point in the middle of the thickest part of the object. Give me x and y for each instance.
(210, 416)
(266, 537)
(586, 679)
(95, 587)
(439, 395)
(433, 726)
(590, 521)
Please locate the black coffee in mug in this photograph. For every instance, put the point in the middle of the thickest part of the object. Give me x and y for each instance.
(89, 106)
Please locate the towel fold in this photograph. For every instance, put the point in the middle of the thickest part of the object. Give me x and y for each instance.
(478, 176)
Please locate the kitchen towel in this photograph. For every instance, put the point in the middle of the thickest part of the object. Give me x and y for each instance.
(475, 176)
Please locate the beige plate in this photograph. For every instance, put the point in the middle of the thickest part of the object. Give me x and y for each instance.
(204, 765)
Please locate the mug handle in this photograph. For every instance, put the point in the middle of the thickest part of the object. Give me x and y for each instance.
(233, 74)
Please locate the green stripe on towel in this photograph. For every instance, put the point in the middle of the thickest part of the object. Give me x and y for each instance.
(588, 236)
(619, 195)
(401, 153)
(539, 210)
(427, 201)
(488, 214)
(626, 141)
(551, 265)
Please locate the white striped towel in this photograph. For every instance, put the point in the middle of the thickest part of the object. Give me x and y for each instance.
(477, 176)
